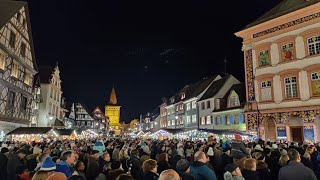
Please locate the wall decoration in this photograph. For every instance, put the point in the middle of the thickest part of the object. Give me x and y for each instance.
(250, 78)
(263, 58)
(281, 118)
(287, 25)
(308, 133)
(281, 132)
(252, 120)
(287, 52)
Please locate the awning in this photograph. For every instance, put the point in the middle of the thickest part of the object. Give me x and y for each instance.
(65, 132)
(30, 130)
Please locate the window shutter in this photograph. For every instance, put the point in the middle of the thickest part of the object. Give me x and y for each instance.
(231, 119)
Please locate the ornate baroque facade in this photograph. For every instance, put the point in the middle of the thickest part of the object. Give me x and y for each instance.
(282, 65)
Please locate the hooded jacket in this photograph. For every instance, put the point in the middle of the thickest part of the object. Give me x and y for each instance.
(263, 171)
(229, 176)
(238, 150)
(201, 171)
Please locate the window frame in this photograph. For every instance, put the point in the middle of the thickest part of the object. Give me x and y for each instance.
(289, 73)
(15, 70)
(307, 34)
(188, 106)
(217, 103)
(11, 104)
(310, 70)
(203, 105)
(285, 40)
(217, 120)
(203, 120)
(12, 34)
(2, 61)
(194, 105)
(227, 119)
(236, 119)
(263, 78)
(262, 47)
(23, 50)
(208, 104)
(209, 119)
(195, 118)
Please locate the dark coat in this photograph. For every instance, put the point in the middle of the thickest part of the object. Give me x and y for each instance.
(13, 162)
(113, 174)
(186, 176)
(3, 166)
(263, 171)
(134, 163)
(221, 163)
(250, 175)
(92, 170)
(296, 171)
(150, 176)
(201, 171)
(238, 150)
(162, 166)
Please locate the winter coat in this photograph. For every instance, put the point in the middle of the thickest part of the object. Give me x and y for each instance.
(229, 176)
(221, 163)
(201, 171)
(64, 168)
(238, 150)
(99, 146)
(113, 174)
(92, 170)
(263, 171)
(13, 162)
(150, 176)
(186, 176)
(32, 161)
(162, 166)
(115, 154)
(134, 163)
(3, 166)
(296, 171)
(250, 175)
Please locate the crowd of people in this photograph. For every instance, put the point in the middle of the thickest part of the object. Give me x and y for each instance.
(137, 159)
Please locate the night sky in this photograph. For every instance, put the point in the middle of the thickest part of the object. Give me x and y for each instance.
(146, 49)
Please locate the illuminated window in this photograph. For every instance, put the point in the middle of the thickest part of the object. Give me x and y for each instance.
(169, 123)
(208, 119)
(314, 45)
(188, 119)
(217, 103)
(291, 87)
(263, 58)
(315, 83)
(27, 78)
(15, 70)
(23, 50)
(188, 106)
(194, 118)
(203, 106)
(217, 120)
(194, 104)
(2, 61)
(173, 122)
(203, 120)
(227, 120)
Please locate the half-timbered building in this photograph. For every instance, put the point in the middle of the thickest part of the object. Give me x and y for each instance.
(17, 66)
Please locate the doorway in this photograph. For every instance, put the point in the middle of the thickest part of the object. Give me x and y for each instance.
(271, 130)
(297, 134)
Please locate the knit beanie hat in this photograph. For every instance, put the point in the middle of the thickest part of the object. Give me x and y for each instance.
(48, 165)
(57, 176)
(210, 151)
(237, 137)
(230, 167)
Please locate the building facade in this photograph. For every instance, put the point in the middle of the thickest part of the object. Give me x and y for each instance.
(229, 113)
(17, 66)
(210, 101)
(82, 118)
(101, 119)
(51, 92)
(282, 67)
(112, 112)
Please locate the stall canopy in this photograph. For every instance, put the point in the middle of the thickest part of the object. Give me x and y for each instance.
(30, 130)
(66, 132)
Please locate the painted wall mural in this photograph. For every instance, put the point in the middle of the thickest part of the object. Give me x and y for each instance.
(252, 120)
(250, 78)
(287, 25)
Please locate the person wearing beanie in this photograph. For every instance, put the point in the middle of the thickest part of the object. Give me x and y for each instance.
(238, 150)
(92, 170)
(232, 172)
(3, 162)
(48, 165)
(183, 169)
(57, 176)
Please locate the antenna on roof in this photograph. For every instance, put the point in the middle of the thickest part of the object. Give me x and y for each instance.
(225, 66)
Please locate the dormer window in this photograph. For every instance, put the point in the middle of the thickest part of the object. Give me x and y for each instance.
(183, 96)
(217, 103)
(172, 100)
(233, 100)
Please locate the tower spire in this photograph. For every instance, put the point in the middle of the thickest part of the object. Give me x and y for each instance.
(113, 97)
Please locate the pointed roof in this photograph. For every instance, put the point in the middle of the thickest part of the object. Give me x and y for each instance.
(9, 9)
(214, 88)
(283, 8)
(113, 97)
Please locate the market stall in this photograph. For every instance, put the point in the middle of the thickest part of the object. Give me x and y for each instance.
(161, 134)
(29, 134)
